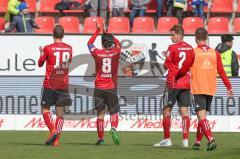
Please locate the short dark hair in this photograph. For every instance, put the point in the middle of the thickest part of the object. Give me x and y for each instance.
(107, 40)
(201, 34)
(178, 30)
(226, 38)
(154, 44)
(58, 31)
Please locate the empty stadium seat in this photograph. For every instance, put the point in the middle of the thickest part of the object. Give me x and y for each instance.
(90, 24)
(190, 24)
(143, 25)
(218, 25)
(222, 6)
(48, 6)
(46, 24)
(3, 6)
(119, 25)
(165, 24)
(70, 24)
(236, 25)
(2, 24)
(32, 5)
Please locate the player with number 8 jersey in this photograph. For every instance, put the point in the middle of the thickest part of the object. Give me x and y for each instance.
(105, 92)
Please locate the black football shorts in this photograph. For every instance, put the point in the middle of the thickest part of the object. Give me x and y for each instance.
(109, 98)
(173, 95)
(57, 97)
(202, 102)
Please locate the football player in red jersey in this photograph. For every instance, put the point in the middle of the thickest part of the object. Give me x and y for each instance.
(179, 59)
(57, 55)
(105, 92)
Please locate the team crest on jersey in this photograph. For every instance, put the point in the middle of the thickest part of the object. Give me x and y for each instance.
(133, 59)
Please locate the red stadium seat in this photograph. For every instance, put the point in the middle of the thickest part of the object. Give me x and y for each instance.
(218, 25)
(46, 24)
(90, 24)
(119, 25)
(165, 24)
(32, 5)
(48, 6)
(70, 24)
(2, 23)
(190, 24)
(222, 6)
(143, 25)
(236, 25)
(3, 6)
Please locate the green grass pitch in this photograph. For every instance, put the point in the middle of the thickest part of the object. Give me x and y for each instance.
(134, 145)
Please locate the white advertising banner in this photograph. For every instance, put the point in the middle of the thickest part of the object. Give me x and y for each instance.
(19, 53)
(126, 123)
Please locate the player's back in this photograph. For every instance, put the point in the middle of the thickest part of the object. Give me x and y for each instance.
(181, 59)
(58, 56)
(106, 63)
(183, 55)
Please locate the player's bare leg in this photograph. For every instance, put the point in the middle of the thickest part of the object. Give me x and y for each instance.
(100, 127)
(58, 124)
(166, 128)
(114, 125)
(185, 125)
(49, 122)
(201, 114)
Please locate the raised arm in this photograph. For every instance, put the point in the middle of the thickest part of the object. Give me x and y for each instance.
(90, 44)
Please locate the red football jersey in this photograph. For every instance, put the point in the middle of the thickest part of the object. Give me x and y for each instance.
(57, 56)
(179, 60)
(106, 63)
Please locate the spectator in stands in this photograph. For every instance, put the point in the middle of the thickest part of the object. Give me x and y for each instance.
(229, 57)
(23, 22)
(138, 8)
(175, 8)
(118, 8)
(12, 10)
(95, 4)
(159, 7)
(198, 6)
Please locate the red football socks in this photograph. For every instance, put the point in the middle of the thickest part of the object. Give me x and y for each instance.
(48, 120)
(185, 126)
(59, 124)
(166, 126)
(199, 134)
(100, 128)
(114, 120)
(206, 129)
